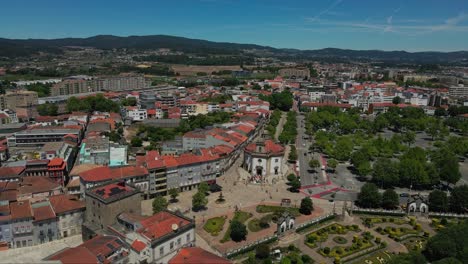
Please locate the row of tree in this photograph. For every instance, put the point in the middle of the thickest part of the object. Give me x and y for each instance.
(273, 123)
(289, 133)
(439, 201)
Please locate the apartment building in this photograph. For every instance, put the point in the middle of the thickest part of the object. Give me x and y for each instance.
(459, 91)
(123, 83)
(303, 73)
(42, 135)
(18, 99)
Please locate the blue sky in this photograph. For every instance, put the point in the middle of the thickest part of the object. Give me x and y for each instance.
(413, 25)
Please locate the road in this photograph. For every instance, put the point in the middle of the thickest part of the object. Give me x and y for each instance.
(302, 146)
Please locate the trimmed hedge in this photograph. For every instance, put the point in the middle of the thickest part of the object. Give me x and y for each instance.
(251, 248)
(379, 213)
(329, 218)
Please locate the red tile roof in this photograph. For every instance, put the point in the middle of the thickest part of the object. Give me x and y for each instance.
(89, 251)
(20, 210)
(161, 224)
(56, 162)
(108, 173)
(65, 203)
(196, 255)
(109, 190)
(138, 245)
(37, 184)
(43, 213)
(313, 104)
(11, 171)
(270, 147)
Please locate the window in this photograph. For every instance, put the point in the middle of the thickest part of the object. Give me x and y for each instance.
(171, 245)
(259, 160)
(161, 251)
(188, 237)
(276, 160)
(179, 241)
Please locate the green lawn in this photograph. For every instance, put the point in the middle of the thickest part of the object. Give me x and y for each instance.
(239, 216)
(214, 225)
(263, 209)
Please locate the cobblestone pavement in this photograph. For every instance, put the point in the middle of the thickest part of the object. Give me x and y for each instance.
(36, 253)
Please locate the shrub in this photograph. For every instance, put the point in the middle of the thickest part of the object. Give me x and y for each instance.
(443, 221)
(262, 251)
(337, 260)
(378, 240)
(311, 239)
(306, 259)
(326, 250)
(379, 229)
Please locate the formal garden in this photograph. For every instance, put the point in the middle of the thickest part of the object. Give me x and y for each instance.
(396, 228)
(380, 257)
(339, 241)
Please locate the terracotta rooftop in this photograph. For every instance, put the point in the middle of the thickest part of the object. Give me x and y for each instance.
(43, 213)
(21, 210)
(11, 171)
(37, 184)
(270, 147)
(64, 203)
(161, 224)
(196, 255)
(112, 173)
(88, 252)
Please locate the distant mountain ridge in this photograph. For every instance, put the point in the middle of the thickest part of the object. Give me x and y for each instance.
(26, 47)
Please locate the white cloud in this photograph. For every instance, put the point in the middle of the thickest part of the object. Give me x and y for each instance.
(409, 27)
(326, 10)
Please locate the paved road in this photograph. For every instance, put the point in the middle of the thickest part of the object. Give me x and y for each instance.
(302, 146)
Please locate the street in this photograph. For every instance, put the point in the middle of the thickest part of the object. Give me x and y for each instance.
(308, 177)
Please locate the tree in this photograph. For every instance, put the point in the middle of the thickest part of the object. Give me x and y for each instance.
(199, 201)
(262, 251)
(291, 177)
(369, 197)
(159, 204)
(390, 199)
(408, 258)
(438, 201)
(446, 162)
(396, 100)
(385, 173)
(332, 163)
(292, 154)
(459, 199)
(306, 206)
(409, 137)
(295, 185)
(450, 242)
(174, 192)
(136, 142)
(203, 187)
(238, 231)
(256, 86)
(314, 163)
(440, 112)
(364, 168)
